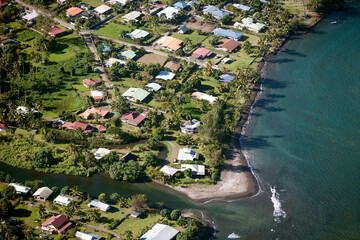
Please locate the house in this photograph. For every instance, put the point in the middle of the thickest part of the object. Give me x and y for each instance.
(153, 87)
(99, 205)
(91, 112)
(83, 126)
(111, 61)
(67, 126)
(73, 11)
(173, 66)
(89, 82)
(201, 53)
(170, 171)
(226, 78)
(180, 5)
(133, 119)
(57, 223)
(187, 154)
(228, 45)
(165, 75)
(183, 29)
(121, 2)
(138, 33)
(97, 95)
(169, 12)
(62, 200)
(56, 31)
(128, 54)
(134, 15)
(7, 41)
(160, 232)
(106, 48)
(241, 7)
(135, 214)
(23, 110)
(61, 1)
(101, 152)
(215, 12)
(3, 127)
(101, 128)
(20, 189)
(225, 59)
(227, 33)
(190, 126)
(42, 193)
(85, 6)
(3, 3)
(203, 96)
(249, 24)
(87, 236)
(30, 17)
(136, 94)
(127, 157)
(171, 43)
(198, 170)
(103, 9)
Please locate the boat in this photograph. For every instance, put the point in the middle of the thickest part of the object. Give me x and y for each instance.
(334, 22)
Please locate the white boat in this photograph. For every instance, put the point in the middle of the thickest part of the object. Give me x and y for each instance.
(334, 22)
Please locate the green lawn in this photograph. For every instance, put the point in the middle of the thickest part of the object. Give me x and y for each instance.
(94, 3)
(66, 47)
(15, 25)
(26, 36)
(112, 30)
(194, 37)
(235, 64)
(193, 109)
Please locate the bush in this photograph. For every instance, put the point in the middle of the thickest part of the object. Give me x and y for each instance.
(165, 213)
(175, 214)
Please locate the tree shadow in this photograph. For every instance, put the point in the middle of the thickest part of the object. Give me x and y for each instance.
(259, 142)
(273, 84)
(281, 60)
(264, 102)
(293, 53)
(22, 213)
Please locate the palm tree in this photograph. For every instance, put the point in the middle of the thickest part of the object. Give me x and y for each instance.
(68, 212)
(93, 215)
(208, 70)
(41, 210)
(128, 235)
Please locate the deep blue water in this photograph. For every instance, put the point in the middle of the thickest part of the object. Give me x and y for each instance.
(302, 140)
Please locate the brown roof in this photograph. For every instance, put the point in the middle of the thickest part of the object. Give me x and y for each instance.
(101, 128)
(172, 43)
(228, 44)
(90, 81)
(172, 65)
(133, 117)
(2, 4)
(60, 222)
(73, 11)
(102, 112)
(201, 53)
(54, 30)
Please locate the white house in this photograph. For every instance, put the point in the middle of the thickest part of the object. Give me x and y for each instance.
(42, 193)
(169, 170)
(97, 95)
(198, 170)
(20, 189)
(62, 200)
(30, 16)
(187, 154)
(169, 12)
(160, 232)
(165, 75)
(99, 205)
(101, 152)
(138, 33)
(121, 2)
(190, 126)
(87, 236)
(111, 61)
(203, 96)
(23, 110)
(153, 86)
(132, 16)
(249, 24)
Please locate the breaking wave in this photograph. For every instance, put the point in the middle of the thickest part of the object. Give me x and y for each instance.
(233, 236)
(278, 211)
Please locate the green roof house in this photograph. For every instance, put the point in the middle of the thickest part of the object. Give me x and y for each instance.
(128, 54)
(135, 94)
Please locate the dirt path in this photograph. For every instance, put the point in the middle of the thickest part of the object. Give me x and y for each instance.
(173, 151)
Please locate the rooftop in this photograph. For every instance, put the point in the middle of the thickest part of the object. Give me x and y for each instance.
(73, 11)
(160, 232)
(137, 93)
(169, 12)
(227, 33)
(138, 33)
(102, 9)
(229, 44)
(165, 75)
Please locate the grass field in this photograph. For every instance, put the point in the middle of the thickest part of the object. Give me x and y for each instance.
(112, 30)
(194, 37)
(66, 47)
(15, 25)
(152, 58)
(94, 3)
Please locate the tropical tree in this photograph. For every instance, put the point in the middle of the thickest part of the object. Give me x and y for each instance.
(139, 202)
(41, 210)
(128, 234)
(93, 215)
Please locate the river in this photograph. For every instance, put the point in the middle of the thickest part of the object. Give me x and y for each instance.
(302, 142)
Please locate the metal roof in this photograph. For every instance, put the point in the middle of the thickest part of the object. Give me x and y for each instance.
(137, 93)
(227, 33)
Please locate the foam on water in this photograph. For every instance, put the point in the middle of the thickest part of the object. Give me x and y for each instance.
(233, 236)
(278, 211)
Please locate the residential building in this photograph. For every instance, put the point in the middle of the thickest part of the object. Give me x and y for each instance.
(3, 127)
(83, 126)
(248, 23)
(56, 31)
(101, 128)
(135, 214)
(3, 3)
(226, 78)
(225, 60)
(31, 16)
(215, 12)
(24, 110)
(170, 171)
(121, 2)
(228, 45)
(57, 223)
(135, 94)
(241, 7)
(227, 33)
(91, 112)
(173, 66)
(89, 82)
(171, 43)
(106, 48)
(85, 6)
(153, 87)
(42, 193)
(101, 152)
(160, 232)
(99, 205)
(103, 9)
(169, 12)
(201, 53)
(20, 189)
(111, 61)
(183, 29)
(190, 126)
(180, 5)
(203, 96)
(97, 95)
(127, 157)
(187, 154)
(133, 119)
(62, 200)
(128, 54)
(138, 33)
(73, 11)
(198, 170)
(87, 236)
(134, 15)
(165, 75)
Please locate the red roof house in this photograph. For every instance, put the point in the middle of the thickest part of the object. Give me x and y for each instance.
(89, 82)
(83, 126)
(73, 11)
(3, 127)
(101, 128)
(133, 118)
(3, 4)
(67, 126)
(55, 31)
(57, 223)
(201, 53)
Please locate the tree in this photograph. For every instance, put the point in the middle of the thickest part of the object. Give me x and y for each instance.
(150, 159)
(115, 197)
(41, 210)
(211, 125)
(175, 214)
(132, 171)
(68, 212)
(8, 192)
(5, 208)
(187, 172)
(116, 171)
(247, 47)
(165, 213)
(102, 197)
(139, 202)
(93, 215)
(226, 20)
(42, 158)
(128, 234)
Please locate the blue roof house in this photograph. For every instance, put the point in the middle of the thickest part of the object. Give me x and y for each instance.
(227, 33)
(183, 29)
(216, 12)
(180, 5)
(106, 48)
(226, 78)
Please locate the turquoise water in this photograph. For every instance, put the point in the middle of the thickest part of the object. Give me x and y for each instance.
(302, 140)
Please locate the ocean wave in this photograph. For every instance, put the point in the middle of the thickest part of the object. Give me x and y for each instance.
(278, 211)
(233, 236)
